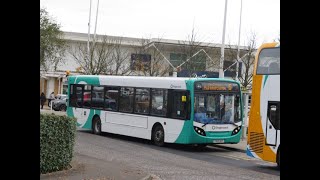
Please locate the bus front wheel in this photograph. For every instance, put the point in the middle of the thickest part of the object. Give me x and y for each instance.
(158, 136)
(96, 125)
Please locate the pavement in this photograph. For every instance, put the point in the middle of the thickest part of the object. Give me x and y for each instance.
(84, 167)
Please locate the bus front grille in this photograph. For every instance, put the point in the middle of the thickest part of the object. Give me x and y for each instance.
(256, 142)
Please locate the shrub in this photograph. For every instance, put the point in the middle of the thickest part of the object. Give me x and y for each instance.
(57, 136)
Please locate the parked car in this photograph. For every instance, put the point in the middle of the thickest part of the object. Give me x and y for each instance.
(60, 103)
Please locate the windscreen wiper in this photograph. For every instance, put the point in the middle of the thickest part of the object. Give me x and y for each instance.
(205, 124)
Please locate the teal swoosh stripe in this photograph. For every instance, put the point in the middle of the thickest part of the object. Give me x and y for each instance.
(265, 80)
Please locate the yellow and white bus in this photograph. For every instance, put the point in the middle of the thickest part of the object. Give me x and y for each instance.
(264, 120)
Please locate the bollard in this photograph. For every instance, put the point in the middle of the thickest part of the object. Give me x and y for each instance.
(244, 131)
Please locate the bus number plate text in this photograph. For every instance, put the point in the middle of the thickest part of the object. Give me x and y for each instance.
(218, 141)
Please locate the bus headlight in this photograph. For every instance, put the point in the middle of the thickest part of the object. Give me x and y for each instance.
(199, 131)
(236, 130)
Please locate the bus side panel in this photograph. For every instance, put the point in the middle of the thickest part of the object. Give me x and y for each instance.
(84, 116)
(270, 91)
(257, 123)
(172, 129)
(125, 124)
(140, 126)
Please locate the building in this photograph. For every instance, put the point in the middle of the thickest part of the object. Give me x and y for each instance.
(139, 57)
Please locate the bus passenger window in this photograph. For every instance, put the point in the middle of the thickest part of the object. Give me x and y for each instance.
(111, 98)
(159, 102)
(87, 96)
(126, 99)
(76, 95)
(142, 100)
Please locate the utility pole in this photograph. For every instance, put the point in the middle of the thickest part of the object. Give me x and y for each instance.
(95, 27)
(88, 45)
(221, 73)
(238, 53)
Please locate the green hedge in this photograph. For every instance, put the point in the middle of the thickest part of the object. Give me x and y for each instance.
(57, 136)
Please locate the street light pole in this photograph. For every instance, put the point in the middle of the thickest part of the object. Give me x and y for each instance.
(95, 27)
(221, 73)
(238, 53)
(88, 46)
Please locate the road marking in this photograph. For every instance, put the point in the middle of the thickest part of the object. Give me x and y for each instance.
(236, 157)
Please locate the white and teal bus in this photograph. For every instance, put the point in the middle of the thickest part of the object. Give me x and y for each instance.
(196, 111)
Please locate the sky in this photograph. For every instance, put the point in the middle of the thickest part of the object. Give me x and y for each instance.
(171, 19)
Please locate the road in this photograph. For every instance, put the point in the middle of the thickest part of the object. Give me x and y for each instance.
(173, 161)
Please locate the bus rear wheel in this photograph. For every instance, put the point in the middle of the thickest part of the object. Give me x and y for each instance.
(158, 136)
(96, 126)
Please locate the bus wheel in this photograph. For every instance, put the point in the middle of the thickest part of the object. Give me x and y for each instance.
(199, 146)
(63, 108)
(158, 136)
(96, 125)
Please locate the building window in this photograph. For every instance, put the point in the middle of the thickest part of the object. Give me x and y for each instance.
(195, 64)
(177, 58)
(140, 62)
(65, 88)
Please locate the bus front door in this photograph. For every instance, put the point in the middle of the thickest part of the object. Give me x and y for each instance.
(271, 129)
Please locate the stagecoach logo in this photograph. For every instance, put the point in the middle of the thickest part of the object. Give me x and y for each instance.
(219, 127)
(174, 86)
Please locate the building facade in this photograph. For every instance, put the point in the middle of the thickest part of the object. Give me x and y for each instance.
(137, 57)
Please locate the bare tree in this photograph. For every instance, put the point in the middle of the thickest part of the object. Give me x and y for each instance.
(195, 55)
(248, 63)
(149, 60)
(98, 60)
(119, 58)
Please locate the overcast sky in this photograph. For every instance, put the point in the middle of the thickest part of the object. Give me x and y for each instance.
(170, 19)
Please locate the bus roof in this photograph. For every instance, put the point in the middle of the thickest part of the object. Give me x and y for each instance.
(138, 81)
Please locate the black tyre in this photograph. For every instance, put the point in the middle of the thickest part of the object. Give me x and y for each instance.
(63, 107)
(96, 126)
(158, 136)
(199, 146)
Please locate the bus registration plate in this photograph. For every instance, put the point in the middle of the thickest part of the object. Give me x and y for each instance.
(218, 141)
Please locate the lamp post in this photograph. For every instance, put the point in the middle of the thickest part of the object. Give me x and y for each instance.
(95, 27)
(238, 53)
(88, 46)
(221, 73)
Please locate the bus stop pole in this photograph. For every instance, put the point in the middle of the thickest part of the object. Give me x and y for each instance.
(245, 99)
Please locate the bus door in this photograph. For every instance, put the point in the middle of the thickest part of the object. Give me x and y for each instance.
(179, 106)
(86, 99)
(273, 123)
(76, 99)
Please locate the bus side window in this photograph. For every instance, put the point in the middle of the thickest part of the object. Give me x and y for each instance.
(126, 99)
(76, 92)
(159, 102)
